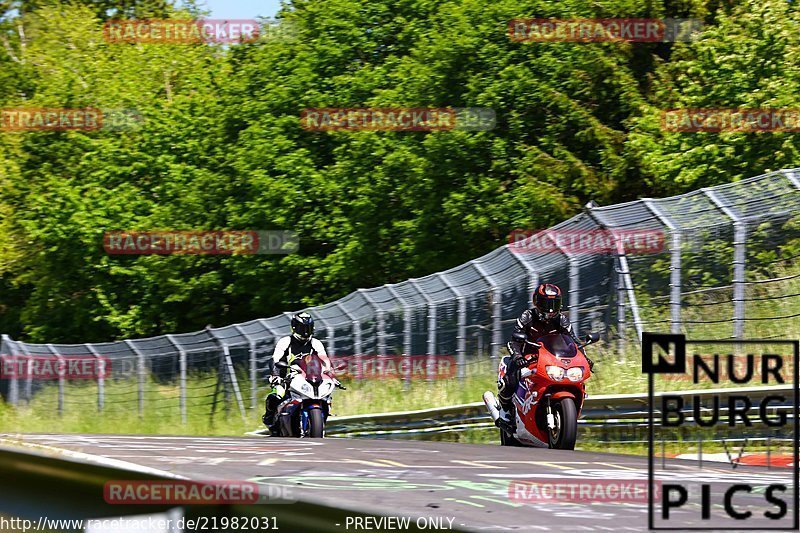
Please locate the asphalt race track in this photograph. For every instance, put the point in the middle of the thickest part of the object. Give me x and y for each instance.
(467, 483)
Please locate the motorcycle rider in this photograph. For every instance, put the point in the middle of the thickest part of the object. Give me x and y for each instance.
(301, 341)
(544, 318)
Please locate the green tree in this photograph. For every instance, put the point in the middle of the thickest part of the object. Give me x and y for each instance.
(748, 60)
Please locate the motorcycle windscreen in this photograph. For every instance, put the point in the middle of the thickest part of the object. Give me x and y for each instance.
(559, 345)
(312, 366)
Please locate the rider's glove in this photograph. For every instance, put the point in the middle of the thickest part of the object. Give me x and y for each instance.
(521, 360)
(274, 381)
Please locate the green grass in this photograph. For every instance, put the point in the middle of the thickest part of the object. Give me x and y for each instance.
(162, 413)
(383, 395)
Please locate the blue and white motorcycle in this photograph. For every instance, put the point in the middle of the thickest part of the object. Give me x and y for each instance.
(307, 406)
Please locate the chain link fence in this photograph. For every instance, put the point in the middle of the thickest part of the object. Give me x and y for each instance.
(728, 267)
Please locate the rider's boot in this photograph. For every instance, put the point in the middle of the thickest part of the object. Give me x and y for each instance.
(507, 419)
(271, 406)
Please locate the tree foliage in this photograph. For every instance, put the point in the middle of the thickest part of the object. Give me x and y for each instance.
(221, 146)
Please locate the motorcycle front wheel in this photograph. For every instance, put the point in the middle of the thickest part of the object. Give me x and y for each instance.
(316, 424)
(563, 436)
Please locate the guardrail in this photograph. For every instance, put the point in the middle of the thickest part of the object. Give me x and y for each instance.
(602, 412)
(36, 485)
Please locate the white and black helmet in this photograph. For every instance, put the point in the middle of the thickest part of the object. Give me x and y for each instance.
(302, 327)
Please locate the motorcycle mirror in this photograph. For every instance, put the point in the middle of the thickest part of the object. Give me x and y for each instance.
(591, 337)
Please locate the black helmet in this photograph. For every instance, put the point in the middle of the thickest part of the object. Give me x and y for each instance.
(547, 300)
(302, 327)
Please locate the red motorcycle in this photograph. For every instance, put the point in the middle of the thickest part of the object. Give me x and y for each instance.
(550, 394)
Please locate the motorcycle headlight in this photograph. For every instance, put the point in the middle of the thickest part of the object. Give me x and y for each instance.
(575, 373)
(556, 373)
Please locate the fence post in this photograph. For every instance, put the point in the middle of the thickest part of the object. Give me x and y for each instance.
(533, 274)
(380, 322)
(226, 352)
(13, 385)
(739, 259)
(627, 282)
(574, 283)
(358, 350)
(624, 283)
(331, 340)
(792, 176)
(253, 366)
(381, 325)
(497, 321)
(461, 339)
(357, 345)
(407, 331)
(182, 364)
(62, 369)
(620, 286)
(101, 377)
(497, 310)
(431, 349)
(739, 256)
(461, 335)
(407, 343)
(275, 334)
(28, 370)
(674, 263)
(574, 293)
(141, 372)
(253, 374)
